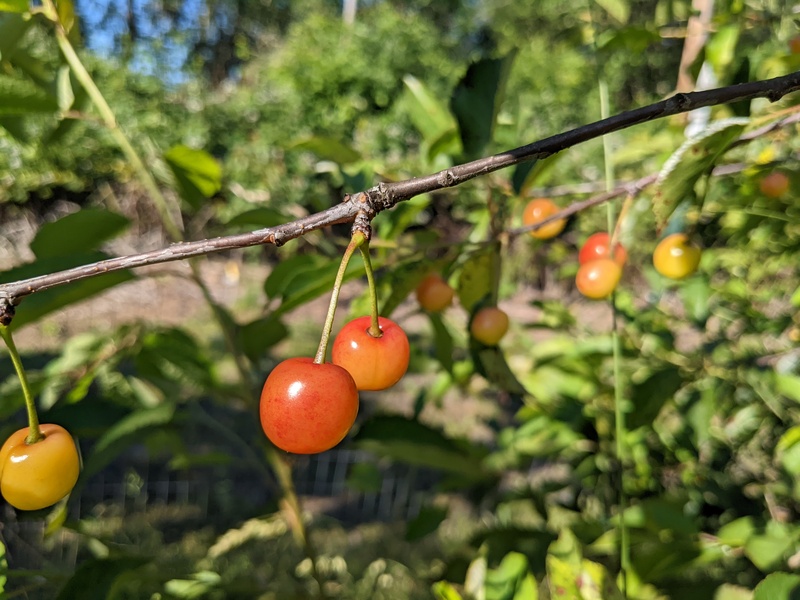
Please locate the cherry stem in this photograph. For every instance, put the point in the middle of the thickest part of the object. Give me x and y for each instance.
(626, 206)
(355, 242)
(34, 432)
(374, 328)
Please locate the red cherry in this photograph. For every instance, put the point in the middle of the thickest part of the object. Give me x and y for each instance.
(306, 407)
(376, 363)
(597, 279)
(774, 185)
(596, 246)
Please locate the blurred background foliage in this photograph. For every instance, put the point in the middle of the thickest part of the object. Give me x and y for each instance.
(487, 473)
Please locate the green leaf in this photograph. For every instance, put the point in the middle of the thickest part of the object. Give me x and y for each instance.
(258, 217)
(14, 6)
(13, 28)
(721, 47)
(200, 584)
(365, 477)
(692, 160)
(97, 579)
(788, 449)
(696, 295)
(477, 100)
(778, 586)
(260, 335)
(445, 591)
(619, 9)
(477, 279)
(3, 566)
(562, 578)
(736, 533)
(20, 97)
(788, 385)
(728, 591)
(766, 551)
(427, 113)
(197, 174)
(443, 342)
(510, 580)
(302, 278)
(124, 432)
(411, 442)
(491, 363)
(425, 523)
(651, 394)
(82, 231)
(41, 303)
(328, 149)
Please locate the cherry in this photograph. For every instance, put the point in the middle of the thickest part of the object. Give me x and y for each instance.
(794, 44)
(538, 210)
(434, 294)
(35, 476)
(376, 363)
(489, 325)
(307, 408)
(596, 246)
(676, 257)
(774, 185)
(598, 278)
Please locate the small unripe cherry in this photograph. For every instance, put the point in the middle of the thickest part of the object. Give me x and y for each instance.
(676, 256)
(774, 185)
(434, 294)
(536, 211)
(489, 325)
(597, 279)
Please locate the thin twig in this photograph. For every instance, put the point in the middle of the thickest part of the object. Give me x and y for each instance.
(386, 195)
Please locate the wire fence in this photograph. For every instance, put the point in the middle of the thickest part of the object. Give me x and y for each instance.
(130, 488)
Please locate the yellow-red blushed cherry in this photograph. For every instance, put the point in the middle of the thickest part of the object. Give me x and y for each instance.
(35, 476)
(376, 363)
(596, 246)
(676, 256)
(307, 408)
(489, 325)
(536, 211)
(597, 279)
(774, 185)
(434, 294)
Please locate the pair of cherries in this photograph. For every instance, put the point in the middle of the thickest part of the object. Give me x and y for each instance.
(309, 407)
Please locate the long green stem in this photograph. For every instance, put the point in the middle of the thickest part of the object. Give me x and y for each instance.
(34, 433)
(110, 121)
(619, 414)
(356, 241)
(374, 328)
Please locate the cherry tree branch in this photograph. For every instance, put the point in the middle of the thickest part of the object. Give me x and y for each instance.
(386, 195)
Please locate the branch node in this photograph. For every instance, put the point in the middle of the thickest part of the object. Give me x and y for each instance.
(446, 178)
(363, 224)
(7, 310)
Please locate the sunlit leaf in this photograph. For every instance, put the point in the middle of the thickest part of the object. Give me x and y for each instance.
(691, 161)
(328, 149)
(778, 586)
(197, 173)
